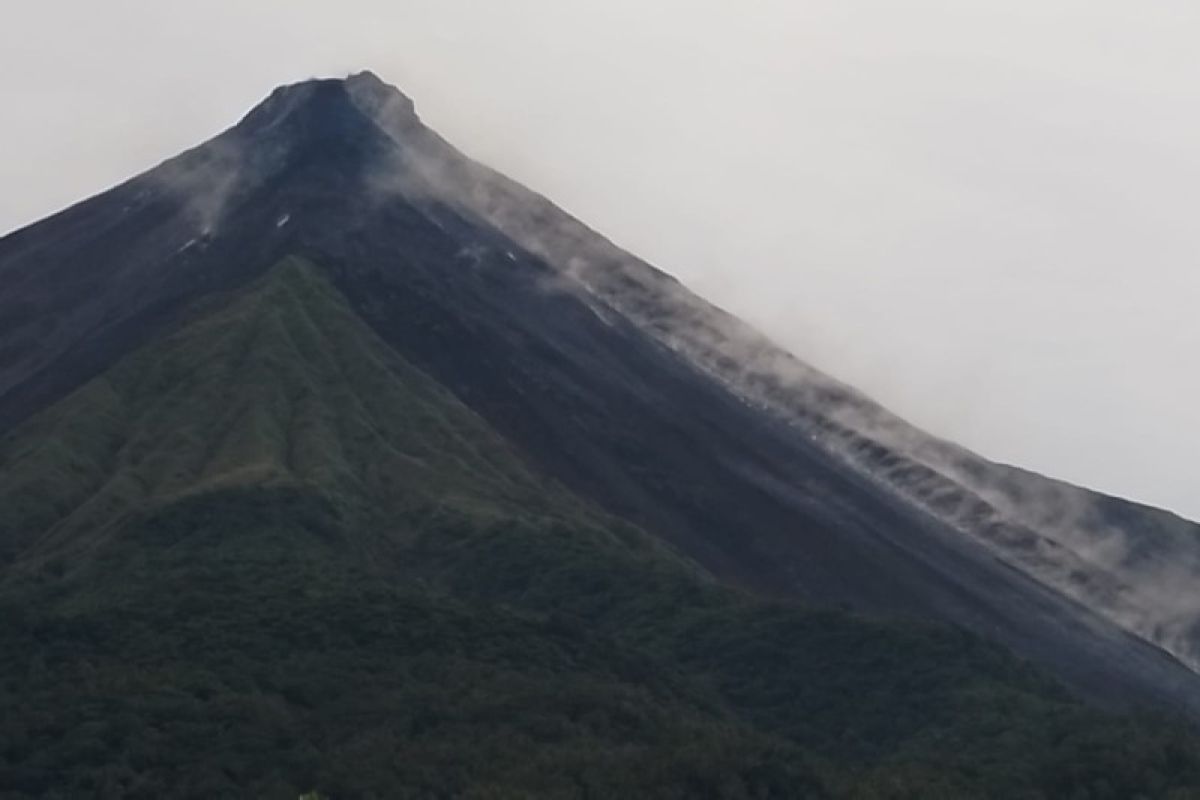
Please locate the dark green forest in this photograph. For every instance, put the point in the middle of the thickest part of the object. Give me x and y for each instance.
(264, 557)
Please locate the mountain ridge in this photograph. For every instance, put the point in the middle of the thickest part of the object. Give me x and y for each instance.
(599, 369)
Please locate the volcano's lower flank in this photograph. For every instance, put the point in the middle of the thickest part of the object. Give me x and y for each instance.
(332, 461)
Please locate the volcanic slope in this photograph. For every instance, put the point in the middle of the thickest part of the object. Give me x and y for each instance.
(265, 555)
(635, 395)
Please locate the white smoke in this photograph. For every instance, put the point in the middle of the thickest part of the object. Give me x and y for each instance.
(204, 181)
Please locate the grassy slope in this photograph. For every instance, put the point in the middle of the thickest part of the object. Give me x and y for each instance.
(265, 555)
(280, 387)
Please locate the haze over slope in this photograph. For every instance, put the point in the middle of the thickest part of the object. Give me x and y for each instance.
(1133, 564)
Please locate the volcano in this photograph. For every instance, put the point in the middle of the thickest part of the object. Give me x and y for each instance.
(335, 461)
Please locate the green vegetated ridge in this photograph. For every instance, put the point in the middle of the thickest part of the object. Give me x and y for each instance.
(266, 556)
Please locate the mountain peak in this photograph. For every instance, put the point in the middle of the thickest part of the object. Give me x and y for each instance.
(365, 76)
(368, 81)
(332, 108)
(352, 447)
(386, 105)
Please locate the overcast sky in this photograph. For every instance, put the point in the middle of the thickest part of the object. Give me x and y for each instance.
(984, 214)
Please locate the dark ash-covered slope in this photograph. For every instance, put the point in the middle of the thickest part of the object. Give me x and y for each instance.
(1133, 565)
(603, 373)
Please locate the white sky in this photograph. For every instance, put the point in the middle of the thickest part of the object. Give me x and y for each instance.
(981, 213)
